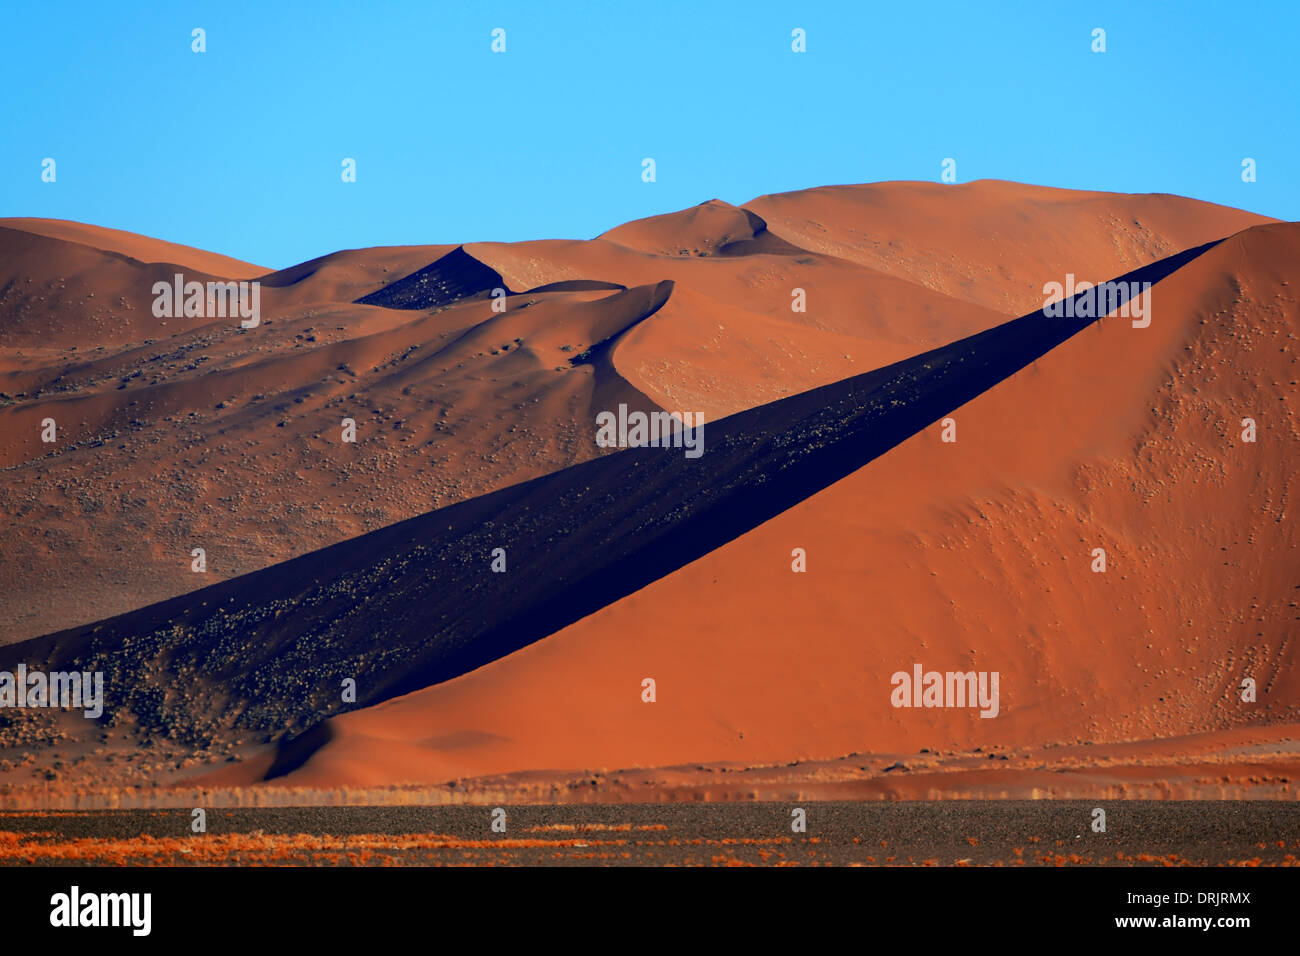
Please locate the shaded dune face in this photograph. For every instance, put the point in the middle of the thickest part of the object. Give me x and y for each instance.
(455, 276)
(373, 561)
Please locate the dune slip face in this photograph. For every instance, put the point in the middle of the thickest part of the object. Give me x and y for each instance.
(418, 603)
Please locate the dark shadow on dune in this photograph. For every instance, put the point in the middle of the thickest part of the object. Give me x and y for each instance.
(455, 276)
(417, 603)
(293, 753)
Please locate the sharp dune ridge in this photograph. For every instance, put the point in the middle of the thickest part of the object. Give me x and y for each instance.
(372, 561)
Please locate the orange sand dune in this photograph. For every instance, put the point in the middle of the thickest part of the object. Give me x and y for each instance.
(60, 297)
(974, 555)
(712, 228)
(1009, 239)
(933, 264)
(141, 248)
(343, 277)
(447, 406)
(729, 339)
(184, 433)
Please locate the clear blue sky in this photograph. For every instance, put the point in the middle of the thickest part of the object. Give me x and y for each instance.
(238, 149)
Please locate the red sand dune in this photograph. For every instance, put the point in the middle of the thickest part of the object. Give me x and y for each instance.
(141, 248)
(967, 556)
(1011, 235)
(187, 434)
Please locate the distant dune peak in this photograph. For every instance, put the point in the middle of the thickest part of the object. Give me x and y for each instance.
(712, 228)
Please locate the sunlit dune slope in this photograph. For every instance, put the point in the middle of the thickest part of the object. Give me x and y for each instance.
(1009, 239)
(141, 248)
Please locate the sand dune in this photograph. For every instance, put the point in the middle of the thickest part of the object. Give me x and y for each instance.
(578, 541)
(429, 394)
(476, 427)
(343, 277)
(968, 556)
(186, 434)
(711, 228)
(141, 248)
(1008, 238)
(452, 277)
(59, 297)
